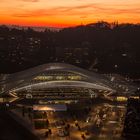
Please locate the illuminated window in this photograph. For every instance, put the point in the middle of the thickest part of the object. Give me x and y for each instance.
(120, 99)
(60, 77)
(76, 77)
(43, 78)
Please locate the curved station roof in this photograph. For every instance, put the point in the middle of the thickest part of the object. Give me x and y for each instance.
(43, 77)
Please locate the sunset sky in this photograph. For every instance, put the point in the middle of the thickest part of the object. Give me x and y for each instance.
(62, 13)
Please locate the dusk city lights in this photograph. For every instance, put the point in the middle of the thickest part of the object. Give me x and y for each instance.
(69, 69)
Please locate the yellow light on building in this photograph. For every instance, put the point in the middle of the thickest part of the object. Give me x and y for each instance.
(43, 78)
(121, 99)
(60, 77)
(134, 97)
(75, 77)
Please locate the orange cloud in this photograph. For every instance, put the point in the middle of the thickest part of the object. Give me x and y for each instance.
(30, 0)
(37, 12)
(80, 10)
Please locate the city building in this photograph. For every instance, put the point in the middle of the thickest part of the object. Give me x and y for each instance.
(57, 81)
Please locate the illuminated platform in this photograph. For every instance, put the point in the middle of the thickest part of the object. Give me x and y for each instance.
(51, 107)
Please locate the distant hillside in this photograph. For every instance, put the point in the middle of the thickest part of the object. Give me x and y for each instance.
(35, 28)
(104, 47)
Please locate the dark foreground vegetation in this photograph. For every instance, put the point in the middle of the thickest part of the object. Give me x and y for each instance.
(106, 48)
(132, 120)
(11, 130)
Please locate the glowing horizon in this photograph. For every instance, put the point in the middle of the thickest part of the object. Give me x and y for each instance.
(64, 13)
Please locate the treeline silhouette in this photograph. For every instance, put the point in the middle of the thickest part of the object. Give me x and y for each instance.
(114, 48)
